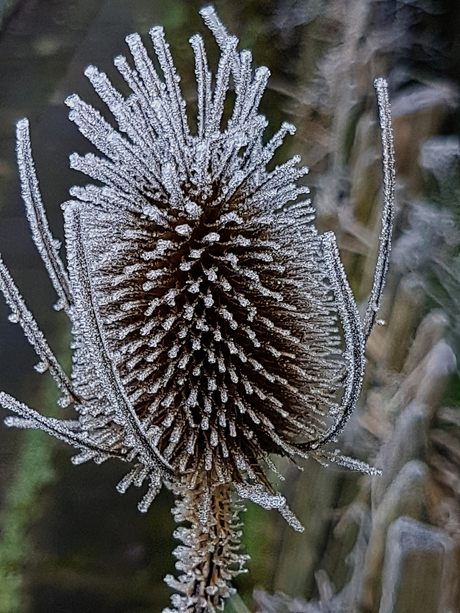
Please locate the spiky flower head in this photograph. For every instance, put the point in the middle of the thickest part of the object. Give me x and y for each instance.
(213, 300)
(203, 302)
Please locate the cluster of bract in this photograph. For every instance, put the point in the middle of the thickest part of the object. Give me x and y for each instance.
(203, 307)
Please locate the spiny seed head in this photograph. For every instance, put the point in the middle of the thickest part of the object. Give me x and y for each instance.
(203, 302)
(213, 297)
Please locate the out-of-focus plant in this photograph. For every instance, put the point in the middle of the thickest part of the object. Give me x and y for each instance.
(394, 544)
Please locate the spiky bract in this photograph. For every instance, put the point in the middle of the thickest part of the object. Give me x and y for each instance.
(213, 301)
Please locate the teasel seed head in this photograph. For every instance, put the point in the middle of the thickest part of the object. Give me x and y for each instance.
(204, 304)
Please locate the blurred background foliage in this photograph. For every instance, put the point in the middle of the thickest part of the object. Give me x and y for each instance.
(68, 541)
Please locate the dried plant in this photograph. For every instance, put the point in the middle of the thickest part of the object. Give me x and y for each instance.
(204, 310)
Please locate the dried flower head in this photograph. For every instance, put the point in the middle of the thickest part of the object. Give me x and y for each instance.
(204, 310)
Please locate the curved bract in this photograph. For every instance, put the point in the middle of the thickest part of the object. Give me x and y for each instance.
(202, 299)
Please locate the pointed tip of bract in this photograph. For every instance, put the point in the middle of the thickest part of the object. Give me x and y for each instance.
(289, 127)
(69, 207)
(133, 38)
(380, 83)
(22, 124)
(73, 160)
(72, 100)
(195, 39)
(22, 131)
(90, 71)
(207, 11)
(9, 421)
(118, 61)
(156, 32)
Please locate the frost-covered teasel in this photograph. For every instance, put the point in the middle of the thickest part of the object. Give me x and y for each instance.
(203, 302)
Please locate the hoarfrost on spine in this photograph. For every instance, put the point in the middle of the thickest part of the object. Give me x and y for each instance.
(203, 302)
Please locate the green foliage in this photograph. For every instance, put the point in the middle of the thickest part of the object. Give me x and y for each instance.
(24, 505)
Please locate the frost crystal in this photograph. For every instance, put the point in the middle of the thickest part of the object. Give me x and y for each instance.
(203, 308)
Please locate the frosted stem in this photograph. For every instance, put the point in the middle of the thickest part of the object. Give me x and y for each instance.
(28, 418)
(389, 179)
(20, 314)
(209, 553)
(47, 246)
(354, 340)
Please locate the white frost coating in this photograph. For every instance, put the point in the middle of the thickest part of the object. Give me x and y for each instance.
(258, 495)
(389, 180)
(62, 430)
(183, 230)
(47, 246)
(354, 338)
(21, 315)
(356, 333)
(212, 237)
(85, 307)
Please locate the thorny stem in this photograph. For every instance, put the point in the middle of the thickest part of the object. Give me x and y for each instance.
(209, 555)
